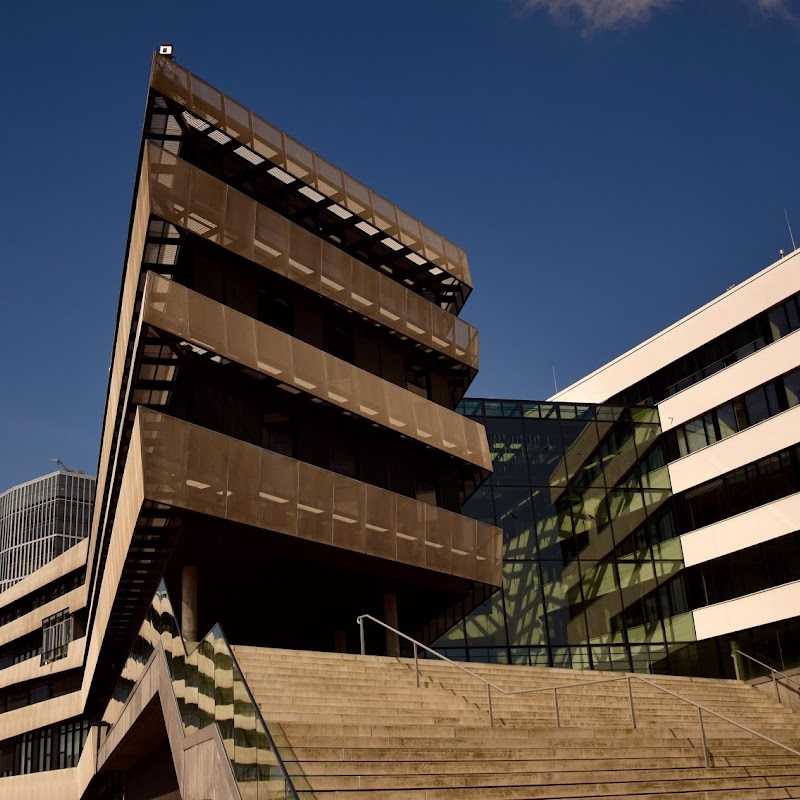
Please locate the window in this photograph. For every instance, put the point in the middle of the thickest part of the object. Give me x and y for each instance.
(726, 417)
(791, 383)
(779, 321)
(695, 435)
(56, 636)
(342, 452)
(276, 310)
(425, 490)
(277, 433)
(417, 380)
(757, 406)
(338, 341)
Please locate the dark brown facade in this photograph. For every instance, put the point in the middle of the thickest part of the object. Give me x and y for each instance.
(280, 443)
(281, 413)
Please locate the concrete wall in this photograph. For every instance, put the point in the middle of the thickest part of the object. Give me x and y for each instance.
(752, 527)
(749, 611)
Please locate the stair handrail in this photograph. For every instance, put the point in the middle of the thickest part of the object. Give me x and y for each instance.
(287, 778)
(775, 674)
(489, 685)
(700, 709)
(628, 677)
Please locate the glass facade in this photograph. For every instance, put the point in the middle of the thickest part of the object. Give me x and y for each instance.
(591, 554)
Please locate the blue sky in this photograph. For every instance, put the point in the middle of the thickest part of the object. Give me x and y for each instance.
(608, 165)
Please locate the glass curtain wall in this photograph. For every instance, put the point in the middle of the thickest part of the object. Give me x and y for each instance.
(591, 552)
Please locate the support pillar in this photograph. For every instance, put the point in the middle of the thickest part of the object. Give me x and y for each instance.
(390, 618)
(340, 640)
(189, 603)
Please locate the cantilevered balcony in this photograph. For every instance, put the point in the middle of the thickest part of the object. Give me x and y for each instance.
(416, 252)
(237, 505)
(197, 202)
(186, 466)
(209, 326)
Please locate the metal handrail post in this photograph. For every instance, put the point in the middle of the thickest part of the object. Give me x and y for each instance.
(489, 698)
(736, 667)
(363, 642)
(555, 707)
(416, 663)
(776, 688)
(630, 702)
(703, 735)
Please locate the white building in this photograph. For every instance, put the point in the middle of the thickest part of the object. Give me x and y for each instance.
(726, 382)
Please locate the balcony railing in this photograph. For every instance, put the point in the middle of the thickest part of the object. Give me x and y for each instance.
(209, 325)
(191, 467)
(195, 201)
(268, 142)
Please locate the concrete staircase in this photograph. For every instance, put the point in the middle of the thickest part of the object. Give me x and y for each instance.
(355, 727)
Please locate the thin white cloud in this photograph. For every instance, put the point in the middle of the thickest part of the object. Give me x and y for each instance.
(597, 15)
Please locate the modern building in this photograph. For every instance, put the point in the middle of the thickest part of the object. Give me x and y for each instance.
(280, 445)
(651, 511)
(41, 519)
(287, 444)
(44, 525)
(725, 381)
(42, 647)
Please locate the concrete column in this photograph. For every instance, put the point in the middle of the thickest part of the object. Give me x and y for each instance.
(340, 640)
(189, 603)
(390, 618)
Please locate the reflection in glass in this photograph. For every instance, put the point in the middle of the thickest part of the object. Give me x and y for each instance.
(209, 689)
(592, 566)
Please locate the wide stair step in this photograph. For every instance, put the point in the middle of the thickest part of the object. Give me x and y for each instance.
(353, 727)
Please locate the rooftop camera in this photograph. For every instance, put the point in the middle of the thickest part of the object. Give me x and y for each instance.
(165, 50)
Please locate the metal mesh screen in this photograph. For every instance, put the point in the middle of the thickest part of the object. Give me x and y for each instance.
(197, 202)
(201, 470)
(188, 90)
(211, 326)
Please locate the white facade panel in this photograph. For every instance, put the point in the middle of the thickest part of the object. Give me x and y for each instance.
(750, 611)
(752, 527)
(748, 445)
(764, 290)
(764, 365)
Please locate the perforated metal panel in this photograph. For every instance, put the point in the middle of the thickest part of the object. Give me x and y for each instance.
(190, 467)
(208, 103)
(197, 202)
(211, 326)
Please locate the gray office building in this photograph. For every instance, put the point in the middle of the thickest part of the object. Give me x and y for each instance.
(41, 519)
